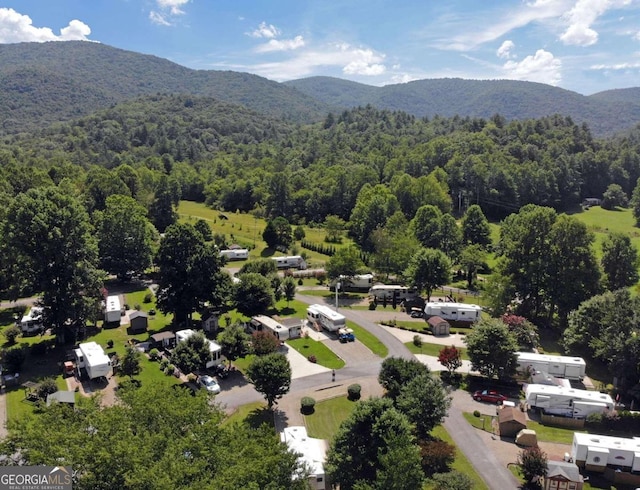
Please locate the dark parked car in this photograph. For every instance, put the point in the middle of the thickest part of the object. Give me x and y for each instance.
(491, 396)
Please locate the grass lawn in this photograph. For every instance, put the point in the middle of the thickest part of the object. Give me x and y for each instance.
(255, 414)
(483, 422)
(309, 347)
(369, 340)
(461, 463)
(433, 349)
(324, 422)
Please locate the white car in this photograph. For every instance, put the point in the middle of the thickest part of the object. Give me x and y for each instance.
(209, 384)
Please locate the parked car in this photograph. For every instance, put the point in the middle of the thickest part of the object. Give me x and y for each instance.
(346, 335)
(209, 384)
(491, 396)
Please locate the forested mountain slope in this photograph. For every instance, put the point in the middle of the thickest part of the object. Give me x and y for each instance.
(47, 82)
(605, 113)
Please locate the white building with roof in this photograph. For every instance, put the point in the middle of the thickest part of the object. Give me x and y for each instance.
(312, 453)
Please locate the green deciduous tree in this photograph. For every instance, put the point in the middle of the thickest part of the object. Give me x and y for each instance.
(130, 365)
(472, 258)
(475, 227)
(635, 202)
(271, 376)
(264, 267)
(192, 353)
(619, 261)
(374, 447)
(374, 205)
(202, 226)
(47, 245)
(426, 226)
(253, 294)
(614, 197)
(428, 269)
(125, 236)
(491, 348)
(234, 342)
(425, 403)
(345, 262)
(289, 289)
(450, 236)
(396, 372)
(334, 226)
(533, 463)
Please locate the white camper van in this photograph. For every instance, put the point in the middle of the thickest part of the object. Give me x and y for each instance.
(558, 366)
(568, 402)
(112, 309)
(359, 282)
(235, 254)
(282, 332)
(290, 262)
(388, 292)
(325, 317)
(460, 312)
(32, 321)
(91, 357)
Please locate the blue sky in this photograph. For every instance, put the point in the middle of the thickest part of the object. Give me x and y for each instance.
(582, 45)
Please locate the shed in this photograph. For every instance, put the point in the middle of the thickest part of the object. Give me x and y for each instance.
(562, 474)
(61, 397)
(527, 438)
(210, 321)
(511, 420)
(139, 321)
(164, 340)
(439, 326)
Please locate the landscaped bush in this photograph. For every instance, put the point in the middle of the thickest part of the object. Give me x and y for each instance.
(372, 305)
(154, 354)
(164, 363)
(11, 333)
(417, 340)
(312, 358)
(170, 370)
(437, 456)
(353, 392)
(148, 298)
(46, 387)
(307, 405)
(476, 413)
(136, 307)
(192, 378)
(109, 344)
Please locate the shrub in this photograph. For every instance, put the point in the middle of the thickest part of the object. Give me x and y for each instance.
(170, 370)
(191, 378)
(417, 340)
(147, 298)
(154, 354)
(13, 359)
(476, 413)
(11, 333)
(109, 344)
(452, 480)
(300, 282)
(164, 363)
(437, 456)
(46, 387)
(372, 305)
(312, 358)
(264, 343)
(307, 405)
(136, 307)
(353, 392)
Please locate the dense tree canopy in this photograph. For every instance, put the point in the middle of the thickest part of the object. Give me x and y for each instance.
(619, 261)
(271, 376)
(491, 348)
(428, 269)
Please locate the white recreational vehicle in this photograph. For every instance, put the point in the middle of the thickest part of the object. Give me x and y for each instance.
(112, 309)
(311, 452)
(327, 318)
(380, 292)
(91, 357)
(262, 323)
(568, 402)
(460, 312)
(32, 321)
(215, 351)
(359, 282)
(558, 366)
(594, 452)
(290, 262)
(235, 254)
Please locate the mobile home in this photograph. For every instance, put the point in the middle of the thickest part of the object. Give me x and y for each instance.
(594, 452)
(91, 357)
(326, 318)
(558, 366)
(311, 453)
(290, 262)
(32, 321)
(460, 312)
(359, 282)
(568, 402)
(215, 351)
(112, 309)
(388, 292)
(262, 323)
(235, 254)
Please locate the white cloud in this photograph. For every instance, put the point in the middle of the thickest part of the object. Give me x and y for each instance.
(542, 67)
(281, 45)
(16, 28)
(173, 6)
(580, 18)
(269, 31)
(158, 18)
(617, 66)
(505, 50)
(636, 36)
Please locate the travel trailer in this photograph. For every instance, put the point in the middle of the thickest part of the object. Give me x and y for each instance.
(558, 366)
(91, 357)
(460, 312)
(261, 323)
(388, 292)
(568, 402)
(215, 351)
(357, 283)
(325, 317)
(32, 321)
(290, 262)
(235, 254)
(112, 309)
(311, 454)
(594, 452)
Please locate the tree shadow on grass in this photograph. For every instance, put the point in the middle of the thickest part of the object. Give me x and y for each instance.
(260, 416)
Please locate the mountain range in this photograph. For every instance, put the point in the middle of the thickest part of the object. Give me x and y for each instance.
(43, 83)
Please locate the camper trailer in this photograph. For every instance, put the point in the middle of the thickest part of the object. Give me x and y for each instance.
(32, 321)
(91, 357)
(235, 254)
(311, 455)
(558, 366)
(567, 402)
(215, 351)
(459, 312)
(326, 318)
(290, 262)
(594, 452)
(262, 323)
(112, 309)
(382, 292)
(357, 283)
